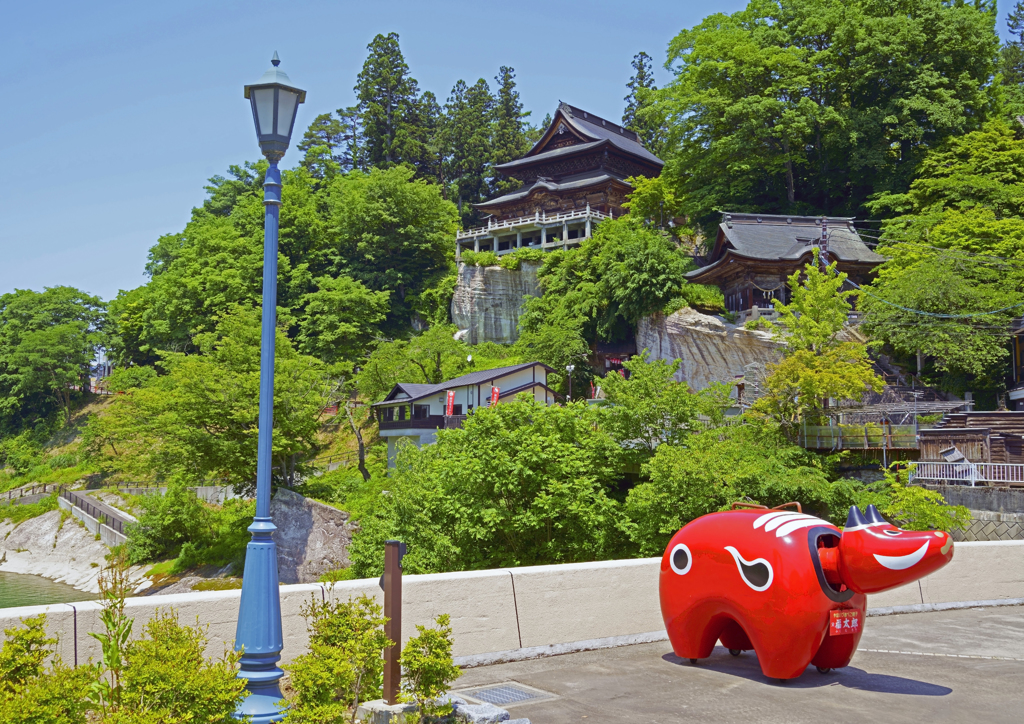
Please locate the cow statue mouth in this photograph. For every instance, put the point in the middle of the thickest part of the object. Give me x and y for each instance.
(902, 563)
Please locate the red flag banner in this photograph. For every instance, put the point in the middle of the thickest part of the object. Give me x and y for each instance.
(495, 393)
(450, 408)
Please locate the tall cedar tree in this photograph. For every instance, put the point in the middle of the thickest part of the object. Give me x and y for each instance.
(466, 144)
(352, 155)
(1011, 62)
(389, 105)
(638, 117)
(509, 141)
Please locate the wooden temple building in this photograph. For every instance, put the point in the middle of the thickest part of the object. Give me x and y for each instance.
(572, 178)
(754, 254)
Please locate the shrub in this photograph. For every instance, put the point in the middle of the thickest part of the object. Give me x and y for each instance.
(914, 508)
(344, 665)
(515, 259)
(20, 513)
(428, 669)
(479, 258)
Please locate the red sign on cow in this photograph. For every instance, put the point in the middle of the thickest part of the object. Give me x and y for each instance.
(843, 622)
(450, 407)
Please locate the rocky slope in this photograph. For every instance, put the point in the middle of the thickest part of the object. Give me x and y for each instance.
(710, 349)
(488, 301)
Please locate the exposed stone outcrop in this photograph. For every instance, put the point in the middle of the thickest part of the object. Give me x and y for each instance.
(488, 301)
(312, 537)
(711, 350)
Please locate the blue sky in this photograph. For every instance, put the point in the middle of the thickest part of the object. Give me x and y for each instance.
(116, 113)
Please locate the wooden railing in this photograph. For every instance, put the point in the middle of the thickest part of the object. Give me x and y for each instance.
(538, 219)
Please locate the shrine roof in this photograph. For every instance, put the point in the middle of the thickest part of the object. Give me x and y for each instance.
(569, 183)
(592, 130)
(764, 237)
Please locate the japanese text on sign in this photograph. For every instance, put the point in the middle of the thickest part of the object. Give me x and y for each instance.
(843, 622)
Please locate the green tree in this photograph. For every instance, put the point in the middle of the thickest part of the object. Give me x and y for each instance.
(811, 106)
(345, 663)
(817, 365)
(322, 142)
(521, 483)
(466, 144)
(339, 319)
(428, 670)
(651, 408)
(47, 342)
(431, 357)
(639, 116)
(508, 140)
(1011, 62)
(388, 97)
(199, 419)
(955, 244)
(751, 461)
(393, 234)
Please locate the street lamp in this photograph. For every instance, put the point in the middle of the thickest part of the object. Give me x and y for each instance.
(274, 101)
(569, 369)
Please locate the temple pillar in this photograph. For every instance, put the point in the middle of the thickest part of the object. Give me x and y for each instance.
(543, 236)
(476, 245)
(519, 240)
(565, 235)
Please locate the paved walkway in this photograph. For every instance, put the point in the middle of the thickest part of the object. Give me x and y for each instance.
(952, 666)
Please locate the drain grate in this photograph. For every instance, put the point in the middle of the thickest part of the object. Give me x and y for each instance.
(505, 694)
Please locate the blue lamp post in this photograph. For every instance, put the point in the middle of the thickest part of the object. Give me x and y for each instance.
(274, 101)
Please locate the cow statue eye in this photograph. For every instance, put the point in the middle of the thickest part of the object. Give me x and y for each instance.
(680, 559)
(893, 532)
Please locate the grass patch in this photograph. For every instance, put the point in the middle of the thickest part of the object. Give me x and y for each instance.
(18, 514)
(218, 584)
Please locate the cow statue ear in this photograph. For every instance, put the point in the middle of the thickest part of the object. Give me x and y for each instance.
(855, 518)
(874, 516)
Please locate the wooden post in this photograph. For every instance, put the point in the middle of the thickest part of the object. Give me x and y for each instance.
(393, 611)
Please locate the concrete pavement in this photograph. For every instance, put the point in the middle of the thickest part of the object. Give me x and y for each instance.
(952, 666)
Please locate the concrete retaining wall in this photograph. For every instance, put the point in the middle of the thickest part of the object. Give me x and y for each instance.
(108, 535)
(508, 614)
(1000, 500)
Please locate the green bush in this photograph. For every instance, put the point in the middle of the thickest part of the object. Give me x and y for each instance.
(345, 664)
(428, 670)
(479, 258)
(20, 513)
(515, 259)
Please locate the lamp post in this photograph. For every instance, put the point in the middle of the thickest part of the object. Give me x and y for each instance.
(274, 101)
(569, 369)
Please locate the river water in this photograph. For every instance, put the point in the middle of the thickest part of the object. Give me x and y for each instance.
(19, 589)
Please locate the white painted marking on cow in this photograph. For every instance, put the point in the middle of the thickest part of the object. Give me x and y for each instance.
(902, 563)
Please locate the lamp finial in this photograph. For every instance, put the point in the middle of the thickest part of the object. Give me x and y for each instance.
(275, 60)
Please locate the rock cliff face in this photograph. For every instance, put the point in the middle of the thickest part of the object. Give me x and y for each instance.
(312, 538)
(711, 350)
(488, 301)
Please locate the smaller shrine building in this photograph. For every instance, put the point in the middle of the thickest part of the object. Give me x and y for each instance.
(754, 254)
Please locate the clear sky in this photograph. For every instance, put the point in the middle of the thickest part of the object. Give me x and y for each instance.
(114, 114)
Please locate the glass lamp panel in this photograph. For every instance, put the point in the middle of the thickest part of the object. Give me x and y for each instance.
(288, 102)
(263, 102)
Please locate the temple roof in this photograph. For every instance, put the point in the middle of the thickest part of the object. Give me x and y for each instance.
(417, 391)
(764, 237)
(594, 132)
(569, 183)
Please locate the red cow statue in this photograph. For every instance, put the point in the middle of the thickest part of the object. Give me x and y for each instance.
(788, 585)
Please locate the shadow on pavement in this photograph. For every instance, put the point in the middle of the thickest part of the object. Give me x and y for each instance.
(745, 666)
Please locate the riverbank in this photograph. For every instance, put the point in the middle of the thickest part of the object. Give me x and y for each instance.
(19, 589)
(55, 547)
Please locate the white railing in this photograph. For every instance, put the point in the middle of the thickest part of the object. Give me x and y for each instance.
(538, 219)
(970, 473)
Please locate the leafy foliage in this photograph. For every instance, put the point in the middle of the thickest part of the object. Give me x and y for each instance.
(915, 508)
(521, 483)
(428, 669)
(344, 666)
(811, 106)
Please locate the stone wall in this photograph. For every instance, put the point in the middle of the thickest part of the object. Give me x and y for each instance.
(312, 537)
(988, 526)
(711, 350)
(488, 300)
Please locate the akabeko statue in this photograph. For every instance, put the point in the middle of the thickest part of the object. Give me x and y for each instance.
(788, 585)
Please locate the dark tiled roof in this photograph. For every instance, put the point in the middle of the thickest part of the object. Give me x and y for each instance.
(578, 181)
(774, 238)
(419, 391)
(549, 155)
(590, 125)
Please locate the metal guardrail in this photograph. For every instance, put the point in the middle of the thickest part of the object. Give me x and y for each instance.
(967, 473)
(858, 437)
(103, 513)
(17, 493)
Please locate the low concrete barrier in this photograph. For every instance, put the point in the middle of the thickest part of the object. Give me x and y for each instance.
(108, 535)
(516, 613)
